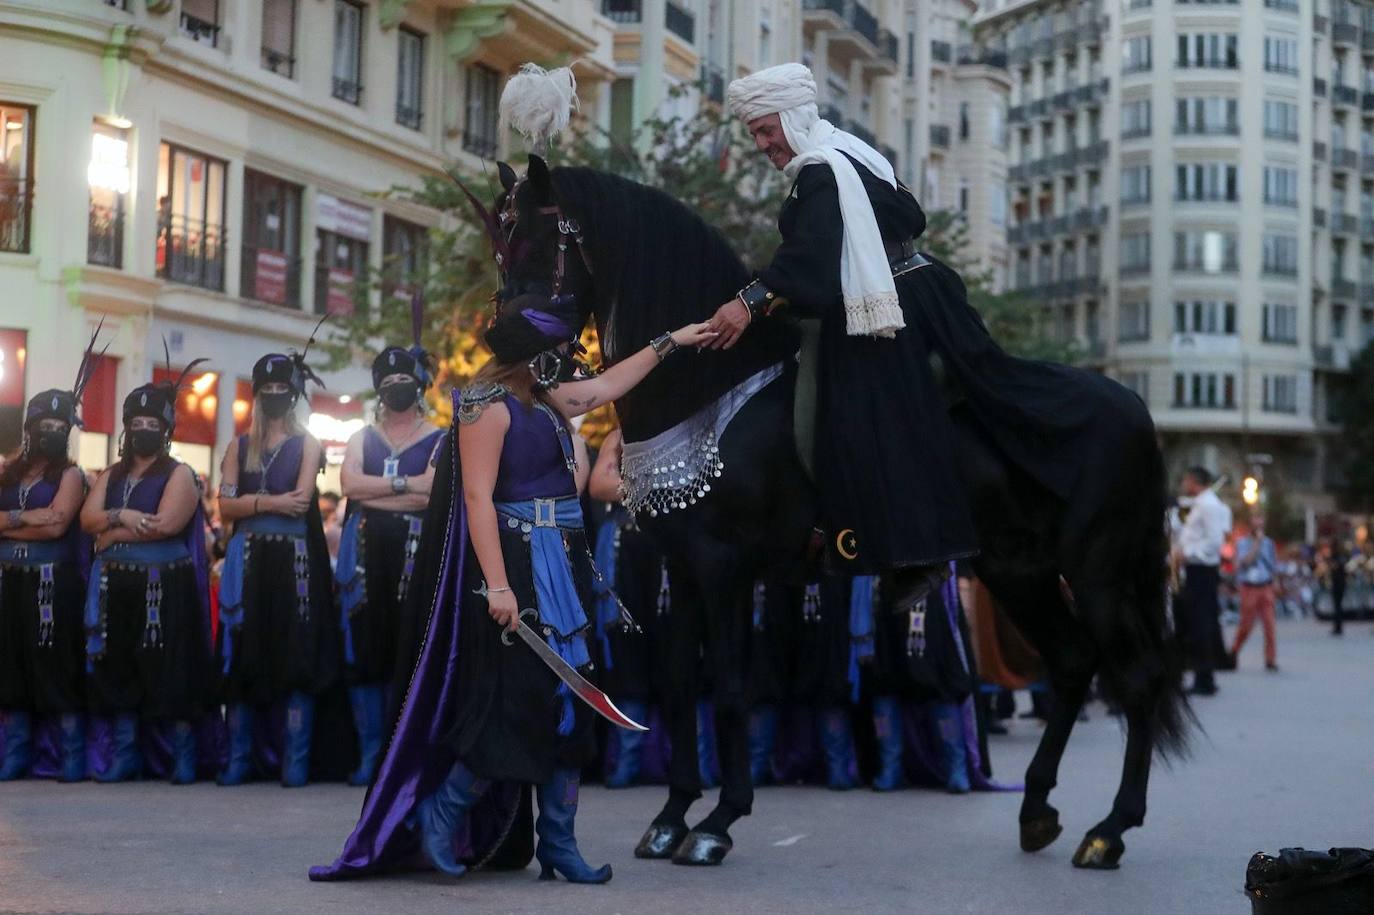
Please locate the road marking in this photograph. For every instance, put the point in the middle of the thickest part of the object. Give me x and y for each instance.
(791, 840)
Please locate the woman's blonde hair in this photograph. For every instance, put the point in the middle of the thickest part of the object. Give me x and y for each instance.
(257, 431)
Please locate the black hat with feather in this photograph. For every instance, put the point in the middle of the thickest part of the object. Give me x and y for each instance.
(415, 361)
(288, 368)
(66, 405)
(158, 399)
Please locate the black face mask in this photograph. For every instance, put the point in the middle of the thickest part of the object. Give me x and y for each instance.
(50, 445)
(145, 442)
(399, 396)
(277, 405)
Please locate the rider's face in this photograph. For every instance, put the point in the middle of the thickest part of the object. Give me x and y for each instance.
(770, 140)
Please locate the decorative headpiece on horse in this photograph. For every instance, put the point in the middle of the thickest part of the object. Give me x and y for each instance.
(158, 399)
(531, 328)
(66, 405)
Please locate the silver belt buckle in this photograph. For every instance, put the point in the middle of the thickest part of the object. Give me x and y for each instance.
(546, 513)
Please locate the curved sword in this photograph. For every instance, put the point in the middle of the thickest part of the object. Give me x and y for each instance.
(582, 687)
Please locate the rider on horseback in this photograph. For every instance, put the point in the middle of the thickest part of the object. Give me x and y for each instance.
(892, 497)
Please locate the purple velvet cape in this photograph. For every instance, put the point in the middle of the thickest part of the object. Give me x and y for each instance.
(418, 756)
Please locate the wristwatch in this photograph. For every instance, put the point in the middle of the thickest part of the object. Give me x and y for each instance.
(400, 485)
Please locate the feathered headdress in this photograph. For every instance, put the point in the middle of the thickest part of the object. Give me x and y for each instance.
(538, 103)
(415, 361)
(65, 405)
(288, 368)
(158, 399)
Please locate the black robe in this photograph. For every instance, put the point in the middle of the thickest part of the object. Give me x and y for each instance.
(890, 487)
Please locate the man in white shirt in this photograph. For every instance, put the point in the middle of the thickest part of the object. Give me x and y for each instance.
(1197, 549)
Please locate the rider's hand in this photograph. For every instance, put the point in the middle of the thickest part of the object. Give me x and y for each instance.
(693, 334)
(729, 323)
(504, 609)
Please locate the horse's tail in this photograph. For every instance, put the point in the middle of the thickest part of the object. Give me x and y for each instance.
(1142, 665)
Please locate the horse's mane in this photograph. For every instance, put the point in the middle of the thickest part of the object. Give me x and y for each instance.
(657, 265)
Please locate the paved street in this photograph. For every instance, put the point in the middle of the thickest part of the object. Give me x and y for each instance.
(1287, 759)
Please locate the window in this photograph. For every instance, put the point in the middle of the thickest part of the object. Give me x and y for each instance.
(200, 21)
(1338, 319)
(341, 248)
(190, 221)
(1138, 383)
(16, 176)
(997, 126)
(108, 176)
(963, 199)
(1205, 317)
(1213, 181)
(1206, 116)
(479, 130)
(1135, 252)
(405, 250)
(997, 205)
(963, 121)
(1135, 321)
(1280, 323)
(271, 268)
(1136, 55)
(1135, 118)
(279, 36)
(1280, 393)
(1280, 255)
(1281, 55)
(1281, 186)
(1135, 184)
(348, 51)
(1206, 251)
(1206, 390)
(1215, 51)
(1281, 120)
(410, 79)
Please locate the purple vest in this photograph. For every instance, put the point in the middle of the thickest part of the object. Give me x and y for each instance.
(146, 495)
(41, 495)
(413, 461)
(282, 471)
(532, 461)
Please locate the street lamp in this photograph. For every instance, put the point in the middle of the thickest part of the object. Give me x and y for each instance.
(1250, 491)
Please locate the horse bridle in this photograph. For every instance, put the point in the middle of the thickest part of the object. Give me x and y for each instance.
(568, 229)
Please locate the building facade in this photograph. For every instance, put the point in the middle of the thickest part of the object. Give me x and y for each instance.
(207, 173)
(1184, 185)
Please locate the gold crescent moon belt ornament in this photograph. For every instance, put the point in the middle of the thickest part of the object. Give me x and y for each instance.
(847, 544)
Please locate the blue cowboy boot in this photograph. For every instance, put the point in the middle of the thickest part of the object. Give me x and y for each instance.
(887, 725)
(629, 746)
(557, 849)
(128, 761)
(295, 751)
(183, 753)
(72, 728)
(18, 746)
(763, 738)
(440, 815)
(238, 769)
(838, 743)
(368, 708)
(950, 721)
(706, 745)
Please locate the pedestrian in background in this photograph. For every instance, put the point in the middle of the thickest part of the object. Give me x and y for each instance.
(1198, 549)
(1256, 569)
(1336, 560)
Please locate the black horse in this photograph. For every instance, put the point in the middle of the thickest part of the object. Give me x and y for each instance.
(1084, 579)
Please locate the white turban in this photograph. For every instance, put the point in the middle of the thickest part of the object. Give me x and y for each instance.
(789, 91)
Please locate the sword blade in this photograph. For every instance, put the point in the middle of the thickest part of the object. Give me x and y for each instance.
(580, 685)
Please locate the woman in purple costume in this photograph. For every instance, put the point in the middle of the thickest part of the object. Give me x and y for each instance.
(387, 475)
(504, 534)
(279, 642)
(43, 563)
(147, 604)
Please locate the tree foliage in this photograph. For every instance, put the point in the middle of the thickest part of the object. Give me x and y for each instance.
(1355, 407)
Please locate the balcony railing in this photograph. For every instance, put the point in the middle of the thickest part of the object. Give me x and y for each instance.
(853, 14)
(1367, 164)
(1319, 87)
(1319, 151)
(270, 276)
(1319, 217)
(1346, 223)
(680, 22)
(1016, 114)
(1207, 130)
(16, 206)
(941, 51)
(1345, 95)
(191, 251)
(348, 90)
(1367, 101)
(623, 11)
(713, 79)
(1342, 288)
(278, 62)
(105, 237)
(1345, 158)
(1345, 33)
(481, 143)
(410, 117)
(889, 46)
(939, 136)
(969, 55)
(1205, 265)
(1320, 23)
(199, 31)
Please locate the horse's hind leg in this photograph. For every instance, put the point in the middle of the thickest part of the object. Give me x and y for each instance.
(1102, 847)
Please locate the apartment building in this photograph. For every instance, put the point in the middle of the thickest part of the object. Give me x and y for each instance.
(207, 173)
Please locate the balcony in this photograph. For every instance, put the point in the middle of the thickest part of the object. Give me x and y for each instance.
(1093, 153)
(847, 19)
(1040, 108)
(713, 81)
(941, 52)
(625, 12)
(1345, 95)
(348, 90)
(1066, 40)
(199, 31)
(279, 62)
(1331, 357)
(971, 56)
(1342, 288)
(1205, 265)
(889, 47)
(481, 140)
(191, 251)
(1319, 87)
(16, 207)
(1087, 219)
(1345, 33)
(1320, 24)
(1319, 217)
(105, 237)
(939, 136)
(1319, 151)
(1060, 225)
(1017, 173)
(1207, 130)
(1063, 101)
(680, 22)
(1090, 33)
(1367, 41)
(1367, 101)
(1016, 114)
(1043, 47)
(1345, 158)
(1345, 223)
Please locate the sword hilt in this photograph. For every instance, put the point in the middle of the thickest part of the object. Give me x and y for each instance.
(508, 635)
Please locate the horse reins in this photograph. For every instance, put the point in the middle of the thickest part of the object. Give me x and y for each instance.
(567, 229)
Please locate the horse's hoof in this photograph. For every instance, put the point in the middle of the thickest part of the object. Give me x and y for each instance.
(1099, 853)
(1040, 832)
(702, 849)
(661, 840)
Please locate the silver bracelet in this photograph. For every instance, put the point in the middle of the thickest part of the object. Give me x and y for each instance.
(228, 491)
(16, 517)
(112, 517)
(664, 346)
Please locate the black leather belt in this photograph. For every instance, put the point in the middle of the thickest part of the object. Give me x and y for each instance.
(908, 264)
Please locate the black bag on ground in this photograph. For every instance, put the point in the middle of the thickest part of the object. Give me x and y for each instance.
(1335, 882)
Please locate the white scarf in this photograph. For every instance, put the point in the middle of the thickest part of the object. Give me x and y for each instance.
(870, 294)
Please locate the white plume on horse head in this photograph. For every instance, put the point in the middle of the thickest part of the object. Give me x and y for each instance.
(539, 103)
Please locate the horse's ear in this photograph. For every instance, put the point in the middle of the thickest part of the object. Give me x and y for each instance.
(507, 175)
(538, 175)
